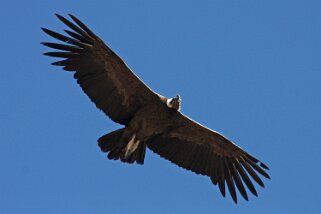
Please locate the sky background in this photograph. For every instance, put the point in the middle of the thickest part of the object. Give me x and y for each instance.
(249, 69)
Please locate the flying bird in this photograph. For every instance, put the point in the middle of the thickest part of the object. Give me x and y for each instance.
(149, 119)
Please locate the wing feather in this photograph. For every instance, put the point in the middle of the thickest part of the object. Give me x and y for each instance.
(221, 176)
(213, 168)
(77, 36)
(237, 180)
(245, 178)
(62, 47)
(252, 173)
(64, 38)
(81, 32)
(229, 180)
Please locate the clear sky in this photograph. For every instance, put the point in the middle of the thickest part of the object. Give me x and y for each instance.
(249, 69)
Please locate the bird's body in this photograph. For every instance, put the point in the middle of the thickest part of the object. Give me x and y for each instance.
(149, 119)
(141, 128)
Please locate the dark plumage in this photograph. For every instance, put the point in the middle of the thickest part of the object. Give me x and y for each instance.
(149, 119)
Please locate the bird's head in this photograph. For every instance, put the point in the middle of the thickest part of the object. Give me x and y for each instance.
(174, 103)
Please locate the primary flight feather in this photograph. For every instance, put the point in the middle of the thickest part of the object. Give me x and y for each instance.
(149, 119)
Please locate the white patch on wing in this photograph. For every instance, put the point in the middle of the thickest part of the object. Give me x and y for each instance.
(131, 146)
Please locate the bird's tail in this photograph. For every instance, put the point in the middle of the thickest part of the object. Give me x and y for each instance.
(119, 147)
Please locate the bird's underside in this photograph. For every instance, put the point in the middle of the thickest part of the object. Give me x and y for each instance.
(150, 120)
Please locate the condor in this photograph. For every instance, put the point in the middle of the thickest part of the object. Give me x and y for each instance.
(149, 119)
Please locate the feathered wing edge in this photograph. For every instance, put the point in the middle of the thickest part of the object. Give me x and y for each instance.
(100, 72)
(226, 164)
(79, 40)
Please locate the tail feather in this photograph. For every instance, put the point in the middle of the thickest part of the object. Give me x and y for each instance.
(115, 145)
(109, 141)
(138, 155)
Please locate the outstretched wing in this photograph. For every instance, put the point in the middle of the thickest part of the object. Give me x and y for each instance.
(102, 75)
(203, 151)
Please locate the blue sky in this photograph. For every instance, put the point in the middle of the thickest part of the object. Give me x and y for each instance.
(248, 69)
